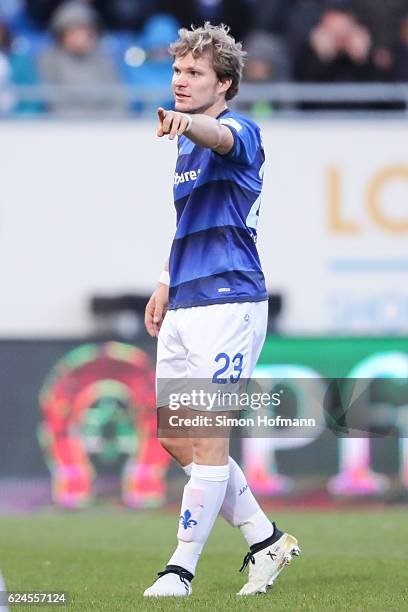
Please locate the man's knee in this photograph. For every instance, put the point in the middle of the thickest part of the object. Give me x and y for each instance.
(210, 451)
(169, 444)
(179, 448)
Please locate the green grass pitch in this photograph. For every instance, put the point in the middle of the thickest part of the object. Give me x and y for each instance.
(351, 561)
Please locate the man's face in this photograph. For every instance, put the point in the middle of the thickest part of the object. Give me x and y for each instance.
(195, 84)
(258, 70)
(79, 40)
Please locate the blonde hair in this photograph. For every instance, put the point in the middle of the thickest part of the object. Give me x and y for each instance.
(227, 55)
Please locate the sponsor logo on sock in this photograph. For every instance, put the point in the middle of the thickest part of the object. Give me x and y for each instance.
(241, 491)
(187, 521)
(272, 555)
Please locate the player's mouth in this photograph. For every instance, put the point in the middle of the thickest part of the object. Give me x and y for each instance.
(181, 97)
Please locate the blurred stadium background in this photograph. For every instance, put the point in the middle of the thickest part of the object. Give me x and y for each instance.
(87, 220)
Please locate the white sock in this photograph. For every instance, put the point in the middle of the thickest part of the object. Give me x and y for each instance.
(240, 508)
(202, 499)
(187, 469)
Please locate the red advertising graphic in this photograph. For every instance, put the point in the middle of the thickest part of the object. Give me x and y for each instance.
(93, 390)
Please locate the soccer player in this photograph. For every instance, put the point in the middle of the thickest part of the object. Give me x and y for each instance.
(209, 309)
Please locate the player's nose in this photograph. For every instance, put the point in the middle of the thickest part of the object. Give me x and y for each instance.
(180, 80)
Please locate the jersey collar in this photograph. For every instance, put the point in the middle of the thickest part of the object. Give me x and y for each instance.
(224, 112)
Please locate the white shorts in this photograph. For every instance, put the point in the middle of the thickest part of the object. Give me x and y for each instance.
(219, 343)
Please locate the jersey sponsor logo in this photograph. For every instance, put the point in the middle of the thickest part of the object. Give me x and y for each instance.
(232, 123)
(186, 177)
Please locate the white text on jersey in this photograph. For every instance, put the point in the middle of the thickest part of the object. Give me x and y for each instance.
(185, 177)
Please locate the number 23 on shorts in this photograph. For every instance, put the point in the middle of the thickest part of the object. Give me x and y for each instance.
(225, 362)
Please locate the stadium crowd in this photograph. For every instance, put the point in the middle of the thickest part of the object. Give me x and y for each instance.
(101, 43)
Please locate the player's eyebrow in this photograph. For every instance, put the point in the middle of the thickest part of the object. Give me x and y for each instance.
(190, 68)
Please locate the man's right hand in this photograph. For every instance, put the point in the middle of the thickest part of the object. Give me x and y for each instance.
(156, 309)
(171, 123)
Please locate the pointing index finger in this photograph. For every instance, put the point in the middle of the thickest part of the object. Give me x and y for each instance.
(162, 115)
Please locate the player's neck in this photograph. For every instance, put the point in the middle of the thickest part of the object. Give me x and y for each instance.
(214, 110)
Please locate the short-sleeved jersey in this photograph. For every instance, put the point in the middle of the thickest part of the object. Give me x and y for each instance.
(214, 258)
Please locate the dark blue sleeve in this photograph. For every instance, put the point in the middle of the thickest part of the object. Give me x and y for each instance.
(246, 140)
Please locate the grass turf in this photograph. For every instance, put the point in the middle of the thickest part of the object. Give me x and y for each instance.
(350, 561)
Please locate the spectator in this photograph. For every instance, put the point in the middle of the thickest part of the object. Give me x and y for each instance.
(338, 48)
(383, 20)
(76, 60)
(267, 62)
(15, 69)
(294, 19)
(237, 14)
(267, 59)
(400, 72)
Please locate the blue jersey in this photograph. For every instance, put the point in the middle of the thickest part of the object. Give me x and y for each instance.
(213, 258)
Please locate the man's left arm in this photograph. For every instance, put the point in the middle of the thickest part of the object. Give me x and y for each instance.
(203, 130)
